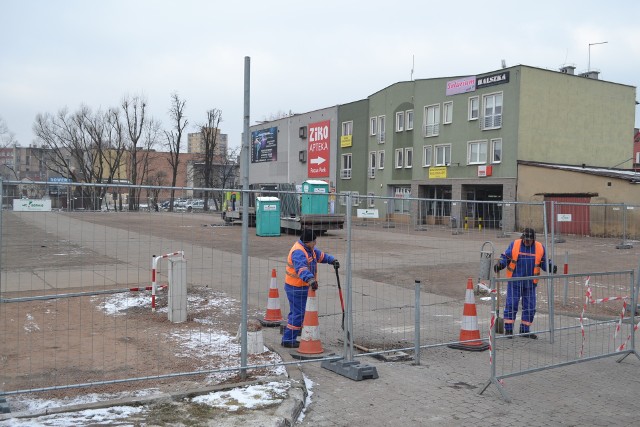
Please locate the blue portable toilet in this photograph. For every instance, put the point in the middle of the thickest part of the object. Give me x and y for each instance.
(315, 197)
(267, 216)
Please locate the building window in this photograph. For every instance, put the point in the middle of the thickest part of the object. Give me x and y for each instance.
(408, 158)
(477, 152)
(381, 129)
(443, 155)
(409, 119)
(399, 121)
(381, 159)
(432, 120)
(399, 159)
(426, 156)
(355, 198)
(496, 150)
(373, 126)
(447, 114)
(372, 164)
(492, 111)
(347, 128)
(400, 202)
(473, 108)
(345, 171)
(371, 202)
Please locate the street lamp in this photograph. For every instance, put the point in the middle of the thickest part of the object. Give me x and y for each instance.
(592, 44)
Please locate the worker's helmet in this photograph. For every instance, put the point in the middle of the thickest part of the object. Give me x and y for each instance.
(529, 233)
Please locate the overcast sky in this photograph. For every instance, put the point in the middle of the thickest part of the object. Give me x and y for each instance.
(304, 55)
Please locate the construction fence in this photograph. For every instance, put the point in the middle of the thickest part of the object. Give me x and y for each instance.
(85, 286)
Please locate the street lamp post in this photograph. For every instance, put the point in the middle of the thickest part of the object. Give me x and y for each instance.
(592, 44)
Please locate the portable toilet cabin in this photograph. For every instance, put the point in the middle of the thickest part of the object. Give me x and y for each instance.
(267, 216)
(315, 197)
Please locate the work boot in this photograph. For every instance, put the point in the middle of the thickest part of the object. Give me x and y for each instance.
(508, 334)
(289, 344)
(529, 335)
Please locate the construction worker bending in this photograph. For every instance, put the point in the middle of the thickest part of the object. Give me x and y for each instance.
(302, 273)
(523, 258)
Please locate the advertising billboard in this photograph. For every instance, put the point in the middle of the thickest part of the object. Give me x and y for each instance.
(264, 145)
(318, 159)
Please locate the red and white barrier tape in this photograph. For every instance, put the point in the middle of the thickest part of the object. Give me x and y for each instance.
(589, 300)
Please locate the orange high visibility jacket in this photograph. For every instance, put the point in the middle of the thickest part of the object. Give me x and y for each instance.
(515, 252)
(292, 276)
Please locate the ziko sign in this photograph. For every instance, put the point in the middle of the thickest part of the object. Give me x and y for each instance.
(318, 159)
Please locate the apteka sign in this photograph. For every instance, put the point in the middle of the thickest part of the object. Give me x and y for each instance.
(318, 159)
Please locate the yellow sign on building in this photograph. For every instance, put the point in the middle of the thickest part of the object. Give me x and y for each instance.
(439, 172)
(346, 141)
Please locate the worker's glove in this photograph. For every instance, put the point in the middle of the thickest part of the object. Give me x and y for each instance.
(497, 268)
(336, 264)
(314, 284)
(555, 269)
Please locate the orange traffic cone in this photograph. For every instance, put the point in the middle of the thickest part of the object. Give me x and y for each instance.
(469, 332)
(310, 345)
(273, 316)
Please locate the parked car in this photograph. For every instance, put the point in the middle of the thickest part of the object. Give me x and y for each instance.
(194, 205)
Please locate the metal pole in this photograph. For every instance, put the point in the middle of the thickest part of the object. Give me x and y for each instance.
(589, 63)
(348, 288)
(244, 165)
(566, 279)
(417, 322)
(549, 281)
(1, 234)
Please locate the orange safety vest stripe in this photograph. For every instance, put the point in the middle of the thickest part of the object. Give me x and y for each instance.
(515, 252)
(292, 276)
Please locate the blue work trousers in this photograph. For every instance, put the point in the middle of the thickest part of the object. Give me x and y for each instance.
(517, 289)
(297, 296)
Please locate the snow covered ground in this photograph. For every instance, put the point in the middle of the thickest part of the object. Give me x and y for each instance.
(228, 407)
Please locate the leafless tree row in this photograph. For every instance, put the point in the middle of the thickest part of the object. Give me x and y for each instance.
(117, 146)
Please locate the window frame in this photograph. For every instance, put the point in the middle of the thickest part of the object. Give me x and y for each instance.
(371, 202)
(470, 111)
(447, 149)
(373, 126)
(431, 112)
(479, 143)
(409, 119)
(381, 157)
(347, 128)
(372, 164)
(427, 158)
(399, 121)
(492, 121)
(344, 171)
(399, 158)
(382, 129)
(447, 113)
(494, 142)
(408, 157)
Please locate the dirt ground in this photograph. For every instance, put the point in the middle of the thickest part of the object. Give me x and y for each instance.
(125, 352)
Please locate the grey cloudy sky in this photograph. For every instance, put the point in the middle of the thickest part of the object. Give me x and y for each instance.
(304, 55)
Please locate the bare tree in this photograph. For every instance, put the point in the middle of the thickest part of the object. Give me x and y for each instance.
(7, 138)
(134, 115)
(174, 139)
(83, 146)
(210, 132)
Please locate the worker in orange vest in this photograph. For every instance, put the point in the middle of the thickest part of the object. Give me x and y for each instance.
(524, 257)
(302, 273)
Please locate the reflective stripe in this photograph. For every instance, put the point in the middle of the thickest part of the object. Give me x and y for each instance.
(292, 276)
(515, 252)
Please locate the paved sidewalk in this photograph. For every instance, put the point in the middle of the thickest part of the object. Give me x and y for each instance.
(443, 391)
